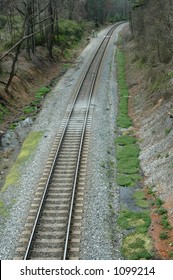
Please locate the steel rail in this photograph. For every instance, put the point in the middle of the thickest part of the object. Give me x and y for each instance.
(79, 156)
(29, 246)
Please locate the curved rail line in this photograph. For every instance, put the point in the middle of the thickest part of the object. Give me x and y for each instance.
(59, 199)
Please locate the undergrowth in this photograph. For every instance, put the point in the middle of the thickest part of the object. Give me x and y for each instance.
(40, 94)
(3, 111)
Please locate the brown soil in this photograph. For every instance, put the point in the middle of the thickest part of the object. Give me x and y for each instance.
(163, 247)
(29, 77)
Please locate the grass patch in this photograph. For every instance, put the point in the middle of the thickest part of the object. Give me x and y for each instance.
(125, 140)
(130, 180)
(125, 180)
(140, 199)
(123, 120)
(164, 222)
(66, 66)
(137, 246)
(128, 165)
(163, 235)
(3, 111)
(40, 94)
(140, 221)
(27, 150)
(127, 151)
(161, 211)
(159, 202)
(29, 109)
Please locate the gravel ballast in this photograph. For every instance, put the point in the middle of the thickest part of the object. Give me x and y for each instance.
(101, 239)
(98, 240)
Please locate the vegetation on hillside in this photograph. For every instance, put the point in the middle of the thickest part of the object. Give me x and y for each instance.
(151, 26)
(38, 30)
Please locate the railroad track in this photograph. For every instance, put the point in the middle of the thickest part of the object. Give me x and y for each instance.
(53, 226)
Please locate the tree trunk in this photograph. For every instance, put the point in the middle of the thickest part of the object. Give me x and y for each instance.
(13, 66)
(51, 30)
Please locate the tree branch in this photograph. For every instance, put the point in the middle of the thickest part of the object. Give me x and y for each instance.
(23, 39)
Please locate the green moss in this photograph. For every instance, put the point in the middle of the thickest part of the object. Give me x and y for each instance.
(27, 150)
(123, 119)
(128, 165)
(125, 140)
(124, 180)
(140, 199)
(130, 180)
(138, 220)
(137, 246)
(126, 151)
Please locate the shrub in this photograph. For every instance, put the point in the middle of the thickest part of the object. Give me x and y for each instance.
(163, 235)
(70, 33)
(161, 211)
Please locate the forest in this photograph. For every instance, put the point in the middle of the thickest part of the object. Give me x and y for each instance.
(152, 28)
(35, 31)
(38, 31)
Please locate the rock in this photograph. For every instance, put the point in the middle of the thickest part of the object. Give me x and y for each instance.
(25, 123)
(9, 139)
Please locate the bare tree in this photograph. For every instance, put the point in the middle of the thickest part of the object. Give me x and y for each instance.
(152, 26)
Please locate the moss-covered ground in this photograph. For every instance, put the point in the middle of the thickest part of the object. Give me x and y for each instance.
(134, 220)
(27, 150)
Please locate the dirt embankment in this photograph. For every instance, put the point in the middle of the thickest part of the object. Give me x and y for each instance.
(151, 108)
(30, 76)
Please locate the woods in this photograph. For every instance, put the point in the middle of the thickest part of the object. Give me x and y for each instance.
(152, 29)
(51, 24)
(57, 25)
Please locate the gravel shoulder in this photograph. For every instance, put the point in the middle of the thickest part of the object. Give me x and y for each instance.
(18, 198)
(101, 240)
